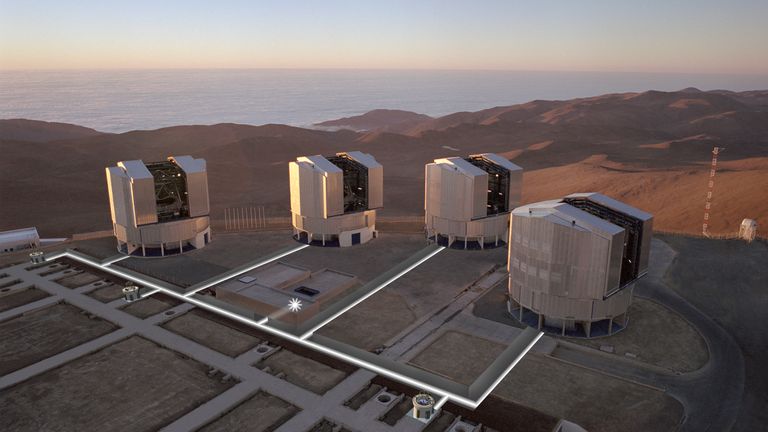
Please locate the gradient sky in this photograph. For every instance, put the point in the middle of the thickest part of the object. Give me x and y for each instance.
(596, 35)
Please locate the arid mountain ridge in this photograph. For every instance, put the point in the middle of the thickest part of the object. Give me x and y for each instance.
(651, 149)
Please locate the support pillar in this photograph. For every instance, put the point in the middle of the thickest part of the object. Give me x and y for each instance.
(162, 249)
(588, 327)
(610, 326)
(541, 321)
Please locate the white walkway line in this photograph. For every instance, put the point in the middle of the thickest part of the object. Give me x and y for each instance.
(149, 293)
(509, 368)
(372, 292)
(55, 256)
(472, 404)
(245, 270)
(112, 261)
(440, 403)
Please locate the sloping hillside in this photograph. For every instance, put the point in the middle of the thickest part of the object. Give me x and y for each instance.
(384, 119)
(41, 131)
(650, 149)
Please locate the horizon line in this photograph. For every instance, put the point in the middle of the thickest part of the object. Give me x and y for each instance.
(380, 69)
(317, 127)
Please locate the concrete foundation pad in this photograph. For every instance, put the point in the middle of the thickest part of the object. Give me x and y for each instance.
(129, 377)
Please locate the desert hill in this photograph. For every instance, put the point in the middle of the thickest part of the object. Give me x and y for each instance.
(41, 131)
(654, 109)
(397, 121)
(650, 149)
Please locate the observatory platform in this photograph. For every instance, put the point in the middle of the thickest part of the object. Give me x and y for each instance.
(573, 263)
(268, 291)
(334, 198)
(159, 208)
(467, 200)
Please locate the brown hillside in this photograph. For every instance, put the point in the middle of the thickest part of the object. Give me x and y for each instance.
(675, 196)
(649, 149)
(384, 119)
(41, 131)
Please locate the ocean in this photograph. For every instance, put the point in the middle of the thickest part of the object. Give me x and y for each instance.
(123, 100)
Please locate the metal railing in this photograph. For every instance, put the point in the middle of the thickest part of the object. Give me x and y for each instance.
(718, 236)
(251, 218)
(255, 218)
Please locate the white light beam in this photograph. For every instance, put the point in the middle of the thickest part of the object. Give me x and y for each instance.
(440, 403)
(310, 344)
(372, 292)
(112, 261)
(245, 270)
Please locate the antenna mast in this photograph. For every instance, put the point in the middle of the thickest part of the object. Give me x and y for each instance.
(710, 188)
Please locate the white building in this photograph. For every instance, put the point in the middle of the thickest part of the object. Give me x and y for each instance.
(159, 208)
(19, 239)
(573, 263)
(748, 230)
(334, 198)
(423, 407)
(468, 200)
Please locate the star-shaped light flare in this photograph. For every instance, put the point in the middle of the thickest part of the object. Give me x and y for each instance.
(294, 305)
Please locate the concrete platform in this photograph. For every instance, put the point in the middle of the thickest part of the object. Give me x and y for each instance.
(29, 338)
(133, 385)
(20, 297)
(306, 373)
(270, 411)
(147, 307)
(214, 335)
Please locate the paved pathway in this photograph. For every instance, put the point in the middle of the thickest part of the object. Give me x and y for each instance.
(313, 407)
(711, 395)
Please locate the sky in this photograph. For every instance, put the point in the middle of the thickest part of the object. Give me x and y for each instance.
(694, 36)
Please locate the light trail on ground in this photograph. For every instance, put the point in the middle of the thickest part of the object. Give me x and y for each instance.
(262, 325)
(244, 270)
(370, 293)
